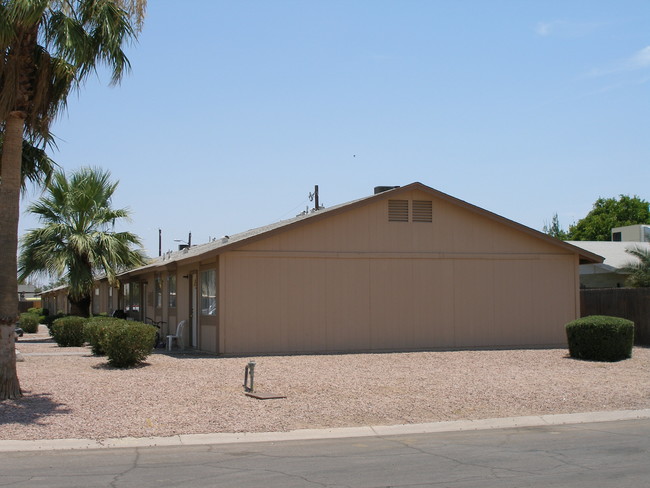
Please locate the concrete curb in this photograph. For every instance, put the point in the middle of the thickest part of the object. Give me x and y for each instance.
(314, 434)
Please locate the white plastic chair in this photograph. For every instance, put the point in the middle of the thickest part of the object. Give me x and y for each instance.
(178, 336)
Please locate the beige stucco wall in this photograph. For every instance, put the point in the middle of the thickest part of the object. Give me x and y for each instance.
(358, 282)
(101, 301)
(56, 301)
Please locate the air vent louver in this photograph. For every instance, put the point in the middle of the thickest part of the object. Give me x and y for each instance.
(398, 210)
(422, 211)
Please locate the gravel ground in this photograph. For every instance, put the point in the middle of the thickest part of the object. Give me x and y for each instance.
(80, 396)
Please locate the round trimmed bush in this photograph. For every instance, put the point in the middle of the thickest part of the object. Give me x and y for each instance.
(600, 338)
(95, 332)
(49, 320)
(69, 331)
(38, 311)
(128, 343)
(29, 322)
(41, 312)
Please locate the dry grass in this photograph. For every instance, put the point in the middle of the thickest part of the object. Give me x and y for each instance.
(80, 396)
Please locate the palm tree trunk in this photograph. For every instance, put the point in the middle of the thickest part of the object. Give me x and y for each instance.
(80, 307)
(9, 214)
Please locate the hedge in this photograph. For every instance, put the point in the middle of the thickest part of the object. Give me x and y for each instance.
(68, 331)
(38, 311)
(49, 320)
(600, 338)
(29, 322)
(128, 343)
(95, 332)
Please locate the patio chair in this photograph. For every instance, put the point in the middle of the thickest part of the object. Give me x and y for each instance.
(178, 336)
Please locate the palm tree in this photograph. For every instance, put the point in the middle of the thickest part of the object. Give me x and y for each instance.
(77, 240)
(639, 270)
(49, 47)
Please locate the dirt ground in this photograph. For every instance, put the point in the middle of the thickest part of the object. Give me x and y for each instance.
(68, 393)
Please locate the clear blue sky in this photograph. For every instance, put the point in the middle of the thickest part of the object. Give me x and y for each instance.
(234, 110)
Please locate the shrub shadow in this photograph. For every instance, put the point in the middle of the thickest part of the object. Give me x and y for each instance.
(108, 366)
(601, 361)
(30, 409)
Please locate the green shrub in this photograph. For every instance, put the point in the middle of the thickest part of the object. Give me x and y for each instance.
(600, 338)
(49, 320)
(95, 332)
(39, 311)
(68, 331)
(29, 322)
(128, 343)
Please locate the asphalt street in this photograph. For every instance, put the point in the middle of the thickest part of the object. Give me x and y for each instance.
(601, 454)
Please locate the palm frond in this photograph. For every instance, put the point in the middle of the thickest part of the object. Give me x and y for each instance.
(7, 30)
(55, 45)
(75, 240)
(639, 269)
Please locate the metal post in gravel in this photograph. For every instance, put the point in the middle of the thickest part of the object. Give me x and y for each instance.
(250, 367)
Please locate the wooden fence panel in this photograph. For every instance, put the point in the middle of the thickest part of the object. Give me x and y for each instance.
(630, 303)
(24, 306)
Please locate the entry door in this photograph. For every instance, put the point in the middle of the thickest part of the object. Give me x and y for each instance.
(195, 308)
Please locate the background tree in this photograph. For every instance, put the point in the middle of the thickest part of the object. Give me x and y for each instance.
(48, 48)
(555, 230)
(639, 269)
(608, 213)
(78, 240)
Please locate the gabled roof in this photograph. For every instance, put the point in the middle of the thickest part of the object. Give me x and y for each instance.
(232, 242)
(55, 289)
(228, 243)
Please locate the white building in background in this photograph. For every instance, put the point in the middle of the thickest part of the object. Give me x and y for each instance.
(631, 233)
(608, 274)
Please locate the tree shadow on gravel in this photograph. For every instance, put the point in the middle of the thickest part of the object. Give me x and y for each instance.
(29, 340)
(30, 409)
(187, 353)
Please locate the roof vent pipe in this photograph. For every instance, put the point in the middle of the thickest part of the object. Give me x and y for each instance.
(382, 189)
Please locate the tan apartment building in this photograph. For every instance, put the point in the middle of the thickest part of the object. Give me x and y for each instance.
(408, 268)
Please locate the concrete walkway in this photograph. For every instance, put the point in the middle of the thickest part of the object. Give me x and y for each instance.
(311, 434)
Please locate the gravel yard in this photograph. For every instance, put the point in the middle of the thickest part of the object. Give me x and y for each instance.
(80, 396)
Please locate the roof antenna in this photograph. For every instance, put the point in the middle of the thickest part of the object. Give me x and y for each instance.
(313, 197)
